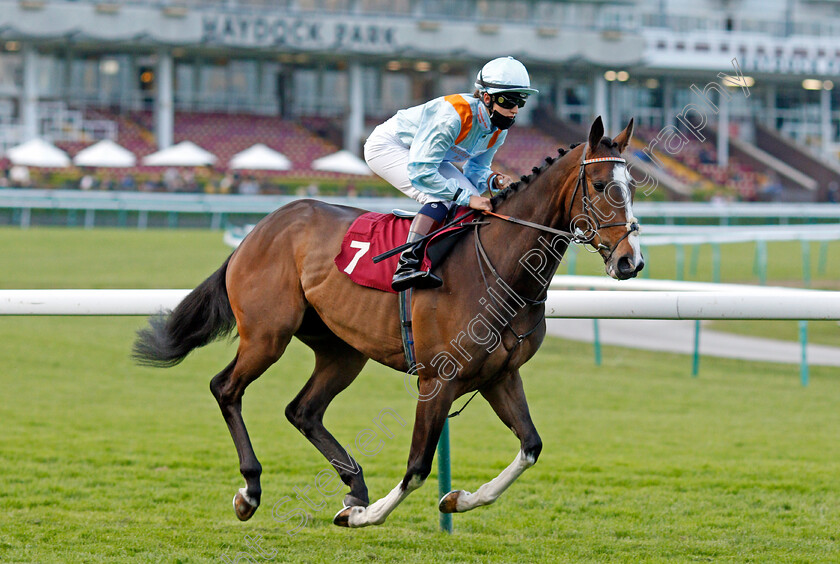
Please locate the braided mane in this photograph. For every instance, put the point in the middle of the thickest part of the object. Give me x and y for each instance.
(525, 180)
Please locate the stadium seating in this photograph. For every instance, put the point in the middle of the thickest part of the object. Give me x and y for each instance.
(525, 148)
(696, 165)
(306, 139)
(225, 135)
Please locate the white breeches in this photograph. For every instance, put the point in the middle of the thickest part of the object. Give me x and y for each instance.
(388, 157)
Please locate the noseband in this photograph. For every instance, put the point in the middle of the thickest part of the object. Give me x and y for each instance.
(574, 236)
(592, 216)
(484, 260)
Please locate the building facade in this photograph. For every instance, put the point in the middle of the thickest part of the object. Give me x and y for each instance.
(361, 60)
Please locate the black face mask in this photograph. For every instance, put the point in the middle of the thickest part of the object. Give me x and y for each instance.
(500, 121)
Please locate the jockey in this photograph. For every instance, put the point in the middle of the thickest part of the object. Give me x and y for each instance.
(414, 151)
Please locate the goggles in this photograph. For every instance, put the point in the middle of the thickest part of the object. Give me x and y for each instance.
(508, 100)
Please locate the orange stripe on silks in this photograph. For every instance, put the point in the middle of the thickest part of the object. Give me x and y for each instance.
(493, 139)
(490, 181)
(464, 111)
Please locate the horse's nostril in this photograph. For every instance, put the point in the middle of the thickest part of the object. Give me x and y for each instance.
(641, 264)
(625, 266)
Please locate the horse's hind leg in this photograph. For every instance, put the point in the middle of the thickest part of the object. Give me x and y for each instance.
(336, 366)
(254, 356)
(507, 398)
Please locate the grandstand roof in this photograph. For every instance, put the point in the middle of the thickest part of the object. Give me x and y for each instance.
(213, 27)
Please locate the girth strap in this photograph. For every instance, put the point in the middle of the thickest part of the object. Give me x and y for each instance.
(407, 333)
(406, 330)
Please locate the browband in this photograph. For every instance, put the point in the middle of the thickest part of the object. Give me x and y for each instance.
(603, 159)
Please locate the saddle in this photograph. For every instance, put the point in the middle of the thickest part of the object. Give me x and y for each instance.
(372, 234)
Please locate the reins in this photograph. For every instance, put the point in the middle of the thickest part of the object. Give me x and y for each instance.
(577, 236)
(630, 226)
(522, 222)
(484, 259)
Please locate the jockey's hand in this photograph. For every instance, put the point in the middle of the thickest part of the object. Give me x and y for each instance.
(502, 181)
(480, 203)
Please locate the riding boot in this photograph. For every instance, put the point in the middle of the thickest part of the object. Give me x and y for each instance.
(409, 273)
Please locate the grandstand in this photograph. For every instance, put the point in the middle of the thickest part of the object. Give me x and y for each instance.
(308, 77)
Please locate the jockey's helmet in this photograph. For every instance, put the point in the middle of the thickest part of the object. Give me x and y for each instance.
(504, 74)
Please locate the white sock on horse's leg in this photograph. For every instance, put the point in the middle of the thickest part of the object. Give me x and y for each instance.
(489, 492)
(377, 512)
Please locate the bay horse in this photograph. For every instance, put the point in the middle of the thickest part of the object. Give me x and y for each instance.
(471, 334)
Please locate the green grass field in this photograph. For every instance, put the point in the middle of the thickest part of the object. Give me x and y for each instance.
(103, 461)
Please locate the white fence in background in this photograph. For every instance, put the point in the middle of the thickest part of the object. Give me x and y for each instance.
(653, 285)
(623, 304)
(658, 235)
(25, 201)
(692, 300)
(88, 302)
(733, 304)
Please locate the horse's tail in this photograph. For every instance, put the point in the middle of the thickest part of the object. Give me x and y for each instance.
(203, 316)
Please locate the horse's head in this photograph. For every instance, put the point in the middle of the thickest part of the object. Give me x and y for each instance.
(601, 206)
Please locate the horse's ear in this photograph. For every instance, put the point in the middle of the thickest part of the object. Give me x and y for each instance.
(596, 133)
(623, 138)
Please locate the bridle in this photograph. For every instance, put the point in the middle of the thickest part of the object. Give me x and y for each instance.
(576, 237)
(631, 224)
(572, 237)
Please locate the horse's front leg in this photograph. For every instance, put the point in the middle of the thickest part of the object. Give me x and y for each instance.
(507, 398)
(428, 424)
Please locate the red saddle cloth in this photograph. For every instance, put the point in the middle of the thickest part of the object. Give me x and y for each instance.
(370, 235)
(373, 234)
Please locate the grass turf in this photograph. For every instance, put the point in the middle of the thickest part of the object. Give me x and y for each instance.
(103, 461)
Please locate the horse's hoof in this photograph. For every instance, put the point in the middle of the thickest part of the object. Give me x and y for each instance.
(449, 502)
(244, 508)
(342, 518)
(353, 501)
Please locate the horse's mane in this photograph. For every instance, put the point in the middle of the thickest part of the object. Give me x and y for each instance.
(526, 180)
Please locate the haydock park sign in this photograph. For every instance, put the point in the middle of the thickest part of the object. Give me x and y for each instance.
(300, 33)
(792, 65)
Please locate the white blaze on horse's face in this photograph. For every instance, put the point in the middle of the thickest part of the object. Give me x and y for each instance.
(620, 180)
(621, 177)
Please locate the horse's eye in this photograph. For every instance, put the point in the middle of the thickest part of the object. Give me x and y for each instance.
(599, 186)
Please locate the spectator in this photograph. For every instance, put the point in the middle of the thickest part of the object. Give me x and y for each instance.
(226, 184)
(773, 190)
(188, 181)
(249, 186)
(706, 156)
(19, 176)
(719, 199)
(833, 195)
(128, 183)
(87, 182)
(149, 186)
(171, 180)
(107, 182)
